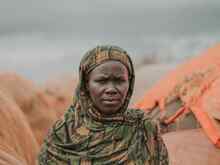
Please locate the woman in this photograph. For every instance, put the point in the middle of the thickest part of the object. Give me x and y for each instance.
(99, 129)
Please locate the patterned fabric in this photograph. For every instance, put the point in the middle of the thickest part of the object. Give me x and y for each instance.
(85, 137)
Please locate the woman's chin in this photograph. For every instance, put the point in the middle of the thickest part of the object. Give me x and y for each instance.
(109, 111)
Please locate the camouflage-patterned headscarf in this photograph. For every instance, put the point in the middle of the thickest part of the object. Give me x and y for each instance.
(85, 137)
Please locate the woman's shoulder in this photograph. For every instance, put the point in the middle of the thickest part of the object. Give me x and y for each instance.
(139, 113)
(60, 128)
(135, 113)
(145, 118)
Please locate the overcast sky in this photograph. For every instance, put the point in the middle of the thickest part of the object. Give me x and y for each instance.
(54, 34)
(117, 17)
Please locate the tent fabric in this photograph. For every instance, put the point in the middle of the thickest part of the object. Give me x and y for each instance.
(17, 141)
(196, 84)
(191, 147)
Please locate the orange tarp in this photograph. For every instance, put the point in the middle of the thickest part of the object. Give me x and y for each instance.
(196, 83)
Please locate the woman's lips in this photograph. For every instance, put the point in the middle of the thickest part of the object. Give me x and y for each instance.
(111, 101)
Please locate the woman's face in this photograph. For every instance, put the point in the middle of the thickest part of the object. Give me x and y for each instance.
(108, 86)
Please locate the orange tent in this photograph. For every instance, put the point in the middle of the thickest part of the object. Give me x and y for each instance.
(191, 147)
(197, 84)
(31, 100)
(18, 145)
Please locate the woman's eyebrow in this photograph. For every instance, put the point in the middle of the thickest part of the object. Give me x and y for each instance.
(120, 76)
(102, 76)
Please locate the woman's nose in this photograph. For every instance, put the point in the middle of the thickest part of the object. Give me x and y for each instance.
(111, 89)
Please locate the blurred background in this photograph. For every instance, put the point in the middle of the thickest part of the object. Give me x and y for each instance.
(44, 38)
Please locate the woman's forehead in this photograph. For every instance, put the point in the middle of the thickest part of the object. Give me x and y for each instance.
(108, 67)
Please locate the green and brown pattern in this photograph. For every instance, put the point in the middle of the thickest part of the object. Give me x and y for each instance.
(85, 137)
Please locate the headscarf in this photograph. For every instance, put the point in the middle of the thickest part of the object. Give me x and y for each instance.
(84, 136)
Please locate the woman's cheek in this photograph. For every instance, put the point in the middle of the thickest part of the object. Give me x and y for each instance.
(96, 89)
(124, 89)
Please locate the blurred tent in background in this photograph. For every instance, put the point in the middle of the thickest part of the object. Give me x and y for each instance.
(18, 145)
(191, 147)
(27, 111)
(146, 76)
(42, 105)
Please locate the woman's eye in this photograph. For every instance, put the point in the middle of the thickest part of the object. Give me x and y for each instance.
(101, 81)
(120, 80)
